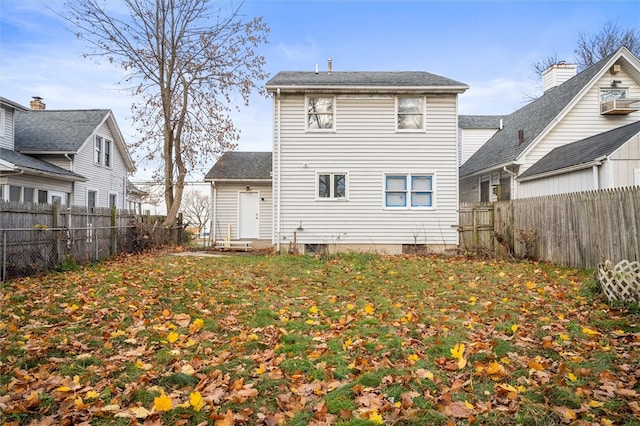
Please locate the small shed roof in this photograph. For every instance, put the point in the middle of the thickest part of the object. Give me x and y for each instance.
(583, 151)
(237, 165)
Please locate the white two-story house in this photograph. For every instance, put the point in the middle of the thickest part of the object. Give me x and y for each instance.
(364, 160)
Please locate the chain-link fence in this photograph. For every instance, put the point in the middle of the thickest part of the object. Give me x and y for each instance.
(40, 238)
(27, 252)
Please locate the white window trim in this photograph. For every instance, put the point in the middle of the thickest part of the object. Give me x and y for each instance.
(98, 151)
(408, 191)
(2, 123)
(423, 99)
(332, 173)
(104, 153)
(306, 114)
(109, 198)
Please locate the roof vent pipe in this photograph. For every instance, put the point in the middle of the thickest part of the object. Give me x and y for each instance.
(330, 65)
(316, 68)
(501, 124)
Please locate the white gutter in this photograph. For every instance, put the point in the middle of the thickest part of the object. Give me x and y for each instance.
(214, 208)
(595, 163)
(279, 174)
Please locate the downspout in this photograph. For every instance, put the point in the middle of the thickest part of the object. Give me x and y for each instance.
(73, 185)
(514, 191)
(598, 163)
(278, 173)
(214, 202)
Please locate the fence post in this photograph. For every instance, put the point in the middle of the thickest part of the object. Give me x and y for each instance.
(4, 255)
(114, 240)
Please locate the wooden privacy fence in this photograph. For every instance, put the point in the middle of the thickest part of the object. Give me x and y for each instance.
(579, 229)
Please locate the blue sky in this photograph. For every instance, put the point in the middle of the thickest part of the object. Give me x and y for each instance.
(489, 45)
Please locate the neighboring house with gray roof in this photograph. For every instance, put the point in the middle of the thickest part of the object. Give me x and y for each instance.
(241, 206)
(473, 132)
(606, 160)
(364, 160)
(603, 97)
(76, 157)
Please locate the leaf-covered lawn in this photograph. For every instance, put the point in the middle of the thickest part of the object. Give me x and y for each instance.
(351, 340)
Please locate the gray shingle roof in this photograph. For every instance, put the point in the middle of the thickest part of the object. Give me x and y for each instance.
(55, 130)
(479, 121)
(584, 151)
(293, 79)
(241, 165)
(532, 119)
(23, 161)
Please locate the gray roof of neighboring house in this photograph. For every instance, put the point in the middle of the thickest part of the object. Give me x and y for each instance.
(584, 151)
(14, 105)
(479, 121)
(300, 79)
(532, 119)
(241, 166)
(28, 162)
(55, 130)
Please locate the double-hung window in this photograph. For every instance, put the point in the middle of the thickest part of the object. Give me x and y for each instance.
(408, 191)
(332, 186)
(98, 150)
(107, 153)
(410, 113)
(320, 113)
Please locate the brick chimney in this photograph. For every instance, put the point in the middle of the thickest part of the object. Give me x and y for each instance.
(557, 74)
(36, 104)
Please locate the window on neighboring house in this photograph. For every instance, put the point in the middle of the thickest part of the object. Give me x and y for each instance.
(15, 194)
(107, 153)
(112, 201)
(410, 114)
(92, 198)
(27, 195)
(320, 113)
(98, 151)
(412, 191)
(43, 197)
(611, 94)
(332, 185)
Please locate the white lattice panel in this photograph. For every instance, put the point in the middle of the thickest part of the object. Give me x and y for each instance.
(620, 282)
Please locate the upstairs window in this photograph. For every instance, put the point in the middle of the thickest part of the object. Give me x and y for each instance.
(611, 94)
(98, 151)
(332, 186)
(410, 114)
(107, 153)
(320, 113)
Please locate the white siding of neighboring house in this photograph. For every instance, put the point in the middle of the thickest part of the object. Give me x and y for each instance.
(226, 209)
(57, 160)
(616, 172)
(619, 170)
(104, 180)
(365, 146)
(40, 183)
(471, 140)
(578, 181)
(584, 119)
(6, 128)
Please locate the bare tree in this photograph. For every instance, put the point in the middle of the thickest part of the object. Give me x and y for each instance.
(196, 209)
(593, 47)
(187, 62)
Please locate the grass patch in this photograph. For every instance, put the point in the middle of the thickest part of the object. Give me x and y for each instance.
(295, 339)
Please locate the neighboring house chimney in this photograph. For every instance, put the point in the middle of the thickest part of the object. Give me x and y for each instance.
(557, 74)
(37, 104)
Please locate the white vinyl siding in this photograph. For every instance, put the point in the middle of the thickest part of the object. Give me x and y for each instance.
(471, 140)
(6, 128)
(366, 144)
(584, 119)
(581, 180)
(104, 180)
(227, 214)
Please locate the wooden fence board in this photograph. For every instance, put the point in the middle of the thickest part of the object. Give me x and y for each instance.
(578, 229)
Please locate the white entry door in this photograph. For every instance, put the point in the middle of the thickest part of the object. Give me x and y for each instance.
(249, 215)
